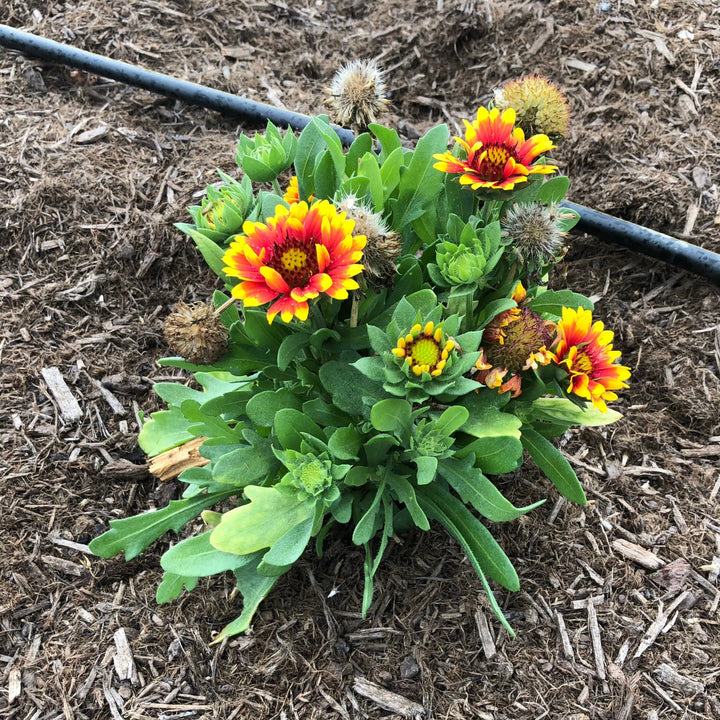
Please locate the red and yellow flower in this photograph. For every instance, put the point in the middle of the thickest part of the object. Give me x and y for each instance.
(295, 256)
(498, 155)
(515, 340)
(584, 350)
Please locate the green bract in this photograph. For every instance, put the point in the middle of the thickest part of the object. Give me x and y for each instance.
(380, 411)
(265, 157)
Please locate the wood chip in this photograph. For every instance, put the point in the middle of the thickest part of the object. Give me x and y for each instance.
(70, 410)
(171, 463)
(580, 65)
(91, 136)
(667, 675)
(594, 629)
(672, 576)
(652, 633)
(115, 405)
(566, 645)
(64, 566)
(386, 699)
(14, 685)
(637, 554)
(486, 637)
(123, 659)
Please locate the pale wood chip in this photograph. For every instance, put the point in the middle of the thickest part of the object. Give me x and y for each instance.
(594, 629)
(486, 637)
(65, 566)
(566, 645)
(69, 407)
(171, 463)
(91, 136)
(667, 675)
(123, 659)
(386, 699)
(637, 554)
(14, 685)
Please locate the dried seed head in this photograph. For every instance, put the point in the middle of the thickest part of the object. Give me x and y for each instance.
(383, 245)
(356, 96)
(539, 105)
(196, 333)
(535, 232)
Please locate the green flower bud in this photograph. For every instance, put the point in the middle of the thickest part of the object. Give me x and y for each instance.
(460, 264)
(308, 473)
(265, 157)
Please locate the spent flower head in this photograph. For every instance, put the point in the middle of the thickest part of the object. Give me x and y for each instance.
(356, 96)
(539, 105)
(535, 232)
(195, 332)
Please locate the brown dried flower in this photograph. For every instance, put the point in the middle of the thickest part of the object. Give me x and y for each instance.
(383, 245)
(196, 333)
(356, 96)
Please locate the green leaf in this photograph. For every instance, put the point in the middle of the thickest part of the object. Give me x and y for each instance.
(474, 488)
(370, 169)
(361, 145)
(270, 514)
(213, 255)
(290, 423)
(345, 443)
(290, 348)
(324, 177)
(484, 553)
(351, 391)
(254, 589)
(365, 527)
(244, 466)
(497, 447)
(389, 140)
(165, 430)
(393, 415)
(426, 469)
(421, 184)
(291, 545)
(172, 585)
(451, 420)
(196, 557)
(377, 448)
(553, 301)
(134, 534)
(553, 190)
(406, 495)
(564, 410)
(261, 408)
(310, 144)
(554, 464)
(390, 173)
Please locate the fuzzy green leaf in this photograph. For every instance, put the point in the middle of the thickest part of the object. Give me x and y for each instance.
(196, 557)
(134, 534)
(270, 514)
(554, 464)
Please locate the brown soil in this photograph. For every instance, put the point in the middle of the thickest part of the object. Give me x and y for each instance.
(90, 264)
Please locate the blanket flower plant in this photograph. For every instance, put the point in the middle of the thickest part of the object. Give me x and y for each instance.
(387, 343)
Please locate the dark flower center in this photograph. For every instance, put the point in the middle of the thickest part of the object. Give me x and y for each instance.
(523, 336)
(492, 166)
(295, 260)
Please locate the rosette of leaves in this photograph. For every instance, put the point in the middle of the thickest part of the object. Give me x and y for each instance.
(265, 157)
(468, 254)
(396, 373)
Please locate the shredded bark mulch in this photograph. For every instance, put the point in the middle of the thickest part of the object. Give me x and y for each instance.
(618, 614)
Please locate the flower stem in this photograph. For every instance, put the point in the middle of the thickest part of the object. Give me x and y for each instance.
(276, 187)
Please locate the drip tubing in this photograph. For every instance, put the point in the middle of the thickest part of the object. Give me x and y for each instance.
(634, 237)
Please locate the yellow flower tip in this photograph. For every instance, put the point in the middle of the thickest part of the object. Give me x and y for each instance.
(437, 372)
(519, 294)
(401, 342)
(438, 335)
(449, 346)
(417, 369)
(415, 329)
(398, 352)
(409, 338)
(428, 329)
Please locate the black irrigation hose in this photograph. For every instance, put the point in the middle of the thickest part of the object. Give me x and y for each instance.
(191, 93)
(634, 237)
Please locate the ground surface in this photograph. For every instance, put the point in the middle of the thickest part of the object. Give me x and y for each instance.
(90, 265)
